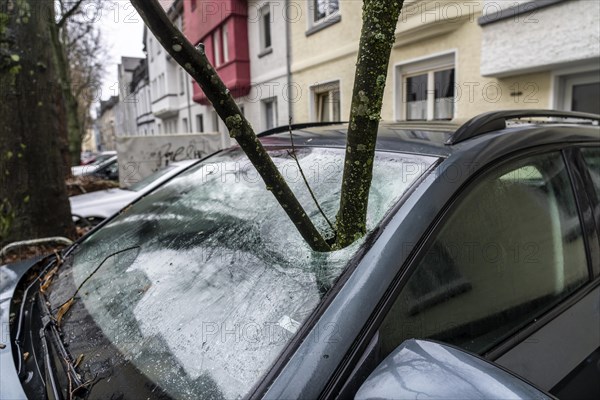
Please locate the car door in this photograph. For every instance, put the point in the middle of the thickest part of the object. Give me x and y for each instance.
(508, 258)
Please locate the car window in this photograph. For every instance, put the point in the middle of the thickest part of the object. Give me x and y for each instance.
(592, 159)
(202, 283)
(510, 250)
(109, 171)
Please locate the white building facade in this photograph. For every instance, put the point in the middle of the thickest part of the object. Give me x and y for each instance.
(170, 88)
(268, 104)
(559, 37)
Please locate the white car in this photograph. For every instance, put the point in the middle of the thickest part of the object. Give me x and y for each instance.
(92, 208)
(102, 159)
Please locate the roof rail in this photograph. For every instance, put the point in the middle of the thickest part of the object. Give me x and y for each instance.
(496, 120)
(286, 128)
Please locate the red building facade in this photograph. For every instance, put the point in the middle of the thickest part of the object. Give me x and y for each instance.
(222, 26)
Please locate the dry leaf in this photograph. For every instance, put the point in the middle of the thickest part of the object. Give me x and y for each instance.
(63, 310)
(78, 361)
(48, 279)
(25, 356)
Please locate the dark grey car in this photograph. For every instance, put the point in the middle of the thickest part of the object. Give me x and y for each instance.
(484, 237)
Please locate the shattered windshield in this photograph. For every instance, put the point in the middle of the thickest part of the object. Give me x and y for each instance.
(201, 284)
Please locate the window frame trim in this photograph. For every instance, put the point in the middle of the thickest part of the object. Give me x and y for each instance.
(314, 92)
(593, 201)
(356, 355)
(323, 23)
(428, 65)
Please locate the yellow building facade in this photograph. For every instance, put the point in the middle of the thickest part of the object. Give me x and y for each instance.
(435, 69)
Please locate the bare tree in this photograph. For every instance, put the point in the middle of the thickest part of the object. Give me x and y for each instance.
(377, 37)
(78, 52)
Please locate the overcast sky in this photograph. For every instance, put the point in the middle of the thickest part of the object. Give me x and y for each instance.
(122, 31)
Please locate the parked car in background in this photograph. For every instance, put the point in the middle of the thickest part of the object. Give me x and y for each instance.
(483, 244)
(89, 209)
(88, 157)
(100, 160)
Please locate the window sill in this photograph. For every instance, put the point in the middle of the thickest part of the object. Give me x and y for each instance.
(326, 23)
(265, 52)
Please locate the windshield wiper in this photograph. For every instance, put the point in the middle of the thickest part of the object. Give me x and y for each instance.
(50, 336)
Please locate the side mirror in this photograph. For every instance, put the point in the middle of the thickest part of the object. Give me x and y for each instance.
(422, 369)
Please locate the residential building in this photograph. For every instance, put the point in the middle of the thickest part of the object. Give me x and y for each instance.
(106, 124)
(268, 104)
(140, 92)
(452, 60)
(170, 86)
(125, 109)
(222, 27)
(566, 58)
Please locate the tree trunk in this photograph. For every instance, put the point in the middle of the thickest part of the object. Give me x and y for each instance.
(71, 108)
(33, 197)
(376, 40)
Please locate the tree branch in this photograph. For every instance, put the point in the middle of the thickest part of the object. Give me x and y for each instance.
(195, 62)
(67, 14)
(380, 18)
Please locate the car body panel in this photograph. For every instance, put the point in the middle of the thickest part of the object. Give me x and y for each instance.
(451, 373)
(552, 352)
(10, 275)
(307, 372)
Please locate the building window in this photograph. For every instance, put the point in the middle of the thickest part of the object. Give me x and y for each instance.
(270, 112)
(225, 43)
(265, 29)
(181, 81)
(184, 122)
(426, 89)
(580, 92)
(151, 49)
(199, 123)
(324, 9)
(217, 48)
(327, 102)
(215, 121)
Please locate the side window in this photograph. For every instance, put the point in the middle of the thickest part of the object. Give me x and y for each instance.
(511, 249)
(592, 159)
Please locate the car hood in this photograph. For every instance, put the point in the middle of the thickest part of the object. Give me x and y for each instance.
(10, 275)
(102, 203)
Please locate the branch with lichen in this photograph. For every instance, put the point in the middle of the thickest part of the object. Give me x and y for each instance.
(195, 63)
(377, 38)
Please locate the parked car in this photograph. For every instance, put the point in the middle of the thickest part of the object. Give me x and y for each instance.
(479, 276)
(92, 208)
(102, 160)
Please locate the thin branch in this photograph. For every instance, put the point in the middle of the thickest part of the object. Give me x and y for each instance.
(293, 155)
(194, 61)
(68, 14)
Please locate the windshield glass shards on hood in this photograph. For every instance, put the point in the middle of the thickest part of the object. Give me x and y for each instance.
(219, 281)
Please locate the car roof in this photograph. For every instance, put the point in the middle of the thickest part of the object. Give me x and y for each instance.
(418, 138)
(442, 138)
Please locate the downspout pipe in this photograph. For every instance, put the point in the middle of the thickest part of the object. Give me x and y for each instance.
(288, 55)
